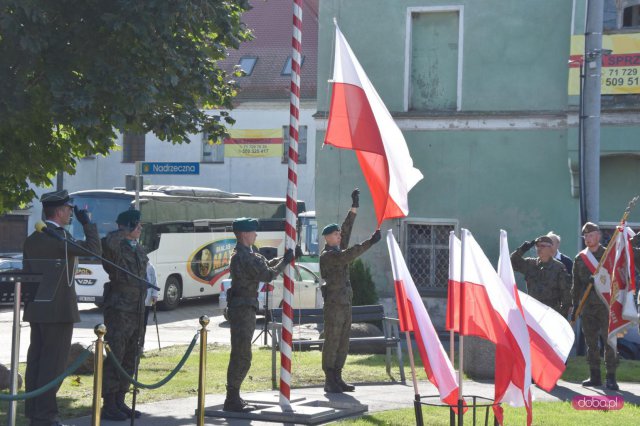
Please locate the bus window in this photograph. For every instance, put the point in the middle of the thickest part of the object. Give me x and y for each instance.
(104, 212)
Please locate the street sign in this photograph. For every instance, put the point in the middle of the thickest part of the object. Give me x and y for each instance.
(170, 168)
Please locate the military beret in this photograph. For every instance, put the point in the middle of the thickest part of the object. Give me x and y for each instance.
(128, 217)
(330, 228)
(544, 239)
(56, 198)
(590, 227)
(245, 224)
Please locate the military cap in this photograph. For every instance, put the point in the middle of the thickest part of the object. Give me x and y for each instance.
(330, 228)
(128, 217)
(56, 198)
(590, 227)
(245, 224)
(544, 239)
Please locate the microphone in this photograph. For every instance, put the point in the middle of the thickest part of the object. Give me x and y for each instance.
(43, 228)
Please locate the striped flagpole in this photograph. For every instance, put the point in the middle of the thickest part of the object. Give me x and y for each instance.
(292, 210)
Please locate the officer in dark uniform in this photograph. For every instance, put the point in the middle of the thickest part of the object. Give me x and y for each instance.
(334, 269)
(52, 321)
(124, 298)
(247, 269)
(547, 278)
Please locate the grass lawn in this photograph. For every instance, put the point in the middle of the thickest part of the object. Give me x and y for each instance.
(74, 397)
(544, 414)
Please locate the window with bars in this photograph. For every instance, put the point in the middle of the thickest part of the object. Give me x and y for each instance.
(132, 147)
(427, 254)
(302, 144)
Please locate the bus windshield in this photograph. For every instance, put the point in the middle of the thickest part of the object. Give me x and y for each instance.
(103, 209)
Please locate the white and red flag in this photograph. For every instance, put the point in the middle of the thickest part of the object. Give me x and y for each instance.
(550, 334)
(359, 120)
(413, 317)
(488, 309)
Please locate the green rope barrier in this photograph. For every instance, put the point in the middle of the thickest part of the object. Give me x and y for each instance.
(162, 382)
(32, 394)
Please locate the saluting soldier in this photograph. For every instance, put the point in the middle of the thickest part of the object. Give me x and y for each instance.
(247, 269)
(338, 295)
(547, 278)
(52, 321)
(124, 298)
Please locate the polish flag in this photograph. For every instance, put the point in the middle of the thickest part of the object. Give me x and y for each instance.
(359, 120)
(488, 309)
(550, 334)
(413, 316)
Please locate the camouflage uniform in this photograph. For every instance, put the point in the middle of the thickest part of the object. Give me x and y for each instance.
(595, 315)
(247, 269)
(547, 282)
(334, 269)
(123, 306)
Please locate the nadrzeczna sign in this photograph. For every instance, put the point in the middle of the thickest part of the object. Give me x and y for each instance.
(170, 168)
(620, 70)
(253, 143)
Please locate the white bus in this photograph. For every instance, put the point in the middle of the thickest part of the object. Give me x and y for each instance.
(187, 235)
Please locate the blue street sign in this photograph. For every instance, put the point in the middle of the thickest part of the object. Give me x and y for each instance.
(170, 168)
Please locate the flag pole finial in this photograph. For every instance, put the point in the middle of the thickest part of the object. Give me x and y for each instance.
(335, 21)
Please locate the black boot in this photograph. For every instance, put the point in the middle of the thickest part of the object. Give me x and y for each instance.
(330, 384)
(595, 379)
(124, 407)
(611, 382)
(110, 410)
(344, 386)
(233, 402)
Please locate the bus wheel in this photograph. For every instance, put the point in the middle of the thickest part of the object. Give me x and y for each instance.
(172, 292)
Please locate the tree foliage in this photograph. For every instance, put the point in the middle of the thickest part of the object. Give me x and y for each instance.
(73, 72)
(364, 289)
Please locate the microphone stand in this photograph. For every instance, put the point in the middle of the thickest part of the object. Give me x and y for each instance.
(86, 250)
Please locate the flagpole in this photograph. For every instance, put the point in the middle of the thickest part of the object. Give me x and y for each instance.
(452, 334)
(460, 336)
(625, 215)
(286, 350)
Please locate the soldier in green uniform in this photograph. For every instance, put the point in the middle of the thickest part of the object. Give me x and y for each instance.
(337, 292)
(595, 315)
(247, 269)
(123, 310)
(52, 321)
(547, 278)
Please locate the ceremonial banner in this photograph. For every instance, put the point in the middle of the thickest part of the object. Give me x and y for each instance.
(413, 317)
(620, 69)
(359, 120)
(253, 143)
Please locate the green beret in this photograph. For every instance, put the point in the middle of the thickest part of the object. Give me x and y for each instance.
(128, 217)
(245, 224)
(544, 239)
(56, 198)
(330, 228)
(590, 227)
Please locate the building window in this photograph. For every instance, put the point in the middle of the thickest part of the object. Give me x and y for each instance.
(302, 144)
(631, 17)
(212, 150)
(247, 64)
(426, 246)
(433, 52)
(286, 69)
(132, 147)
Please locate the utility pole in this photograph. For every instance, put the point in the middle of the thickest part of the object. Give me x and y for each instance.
(592, 106)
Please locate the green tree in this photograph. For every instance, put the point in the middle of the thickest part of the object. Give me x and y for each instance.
(73, 72)
(364, 289)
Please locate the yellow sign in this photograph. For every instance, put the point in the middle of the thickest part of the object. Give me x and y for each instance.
(253, 143)
(620, 69)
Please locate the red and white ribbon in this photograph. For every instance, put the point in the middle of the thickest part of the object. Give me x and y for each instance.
(292, 209)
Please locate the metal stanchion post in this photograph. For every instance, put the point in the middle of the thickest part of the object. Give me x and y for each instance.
(202, 374)
(100, 331)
